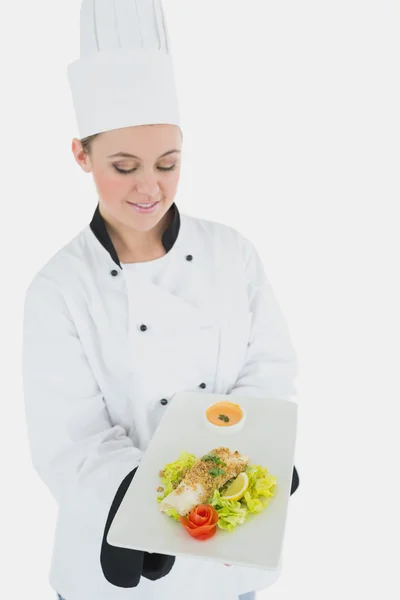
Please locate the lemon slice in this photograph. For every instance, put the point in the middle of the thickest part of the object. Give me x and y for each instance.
(237, 489)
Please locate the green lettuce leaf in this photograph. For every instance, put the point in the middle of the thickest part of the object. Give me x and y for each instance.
(231, 512)
(173, 473)
(171, 512)
(261, 488)
(235, 512)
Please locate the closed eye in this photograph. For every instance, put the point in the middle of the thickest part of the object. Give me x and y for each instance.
(125, 172)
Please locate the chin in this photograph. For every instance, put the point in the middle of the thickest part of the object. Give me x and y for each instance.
(143, 222)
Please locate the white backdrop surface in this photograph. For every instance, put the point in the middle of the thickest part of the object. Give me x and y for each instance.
(291, 125)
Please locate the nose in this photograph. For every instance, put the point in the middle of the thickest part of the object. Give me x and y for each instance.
(147, 184)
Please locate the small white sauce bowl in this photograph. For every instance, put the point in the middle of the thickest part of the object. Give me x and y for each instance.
(225, 429)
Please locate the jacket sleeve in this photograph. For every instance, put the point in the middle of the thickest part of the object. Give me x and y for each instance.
(86, 461)
(270, 367)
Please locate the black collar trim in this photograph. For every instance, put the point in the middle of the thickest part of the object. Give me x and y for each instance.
(98, 226)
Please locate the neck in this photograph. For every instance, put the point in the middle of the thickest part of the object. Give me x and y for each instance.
(136, 246)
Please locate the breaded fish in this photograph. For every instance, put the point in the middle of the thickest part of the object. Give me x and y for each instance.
(208, 474)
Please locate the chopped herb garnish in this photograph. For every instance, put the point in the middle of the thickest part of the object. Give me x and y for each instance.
(213, 458)
(209, 457)
(223, 418)
(216, 472)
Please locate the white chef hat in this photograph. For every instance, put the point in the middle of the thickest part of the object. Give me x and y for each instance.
(125, 74)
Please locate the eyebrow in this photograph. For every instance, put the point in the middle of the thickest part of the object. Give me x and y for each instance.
(127, 155)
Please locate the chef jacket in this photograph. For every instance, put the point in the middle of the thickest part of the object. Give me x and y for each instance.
(105, 348)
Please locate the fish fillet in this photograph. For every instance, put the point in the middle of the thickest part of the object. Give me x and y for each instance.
(198, 485)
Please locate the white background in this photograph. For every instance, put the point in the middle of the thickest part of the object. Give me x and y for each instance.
(291, 124)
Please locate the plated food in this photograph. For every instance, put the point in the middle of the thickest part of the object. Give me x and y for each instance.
(219, 490)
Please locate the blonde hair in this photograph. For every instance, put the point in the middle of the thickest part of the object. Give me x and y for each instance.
(87, 141)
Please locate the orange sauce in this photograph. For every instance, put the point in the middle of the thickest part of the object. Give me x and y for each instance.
(224, 414)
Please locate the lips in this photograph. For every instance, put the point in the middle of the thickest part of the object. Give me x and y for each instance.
(145, 204)
(144, 207)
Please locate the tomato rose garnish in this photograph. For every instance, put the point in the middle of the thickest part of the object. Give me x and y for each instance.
(201, 522)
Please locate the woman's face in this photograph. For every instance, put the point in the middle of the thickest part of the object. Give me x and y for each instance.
(147, 174)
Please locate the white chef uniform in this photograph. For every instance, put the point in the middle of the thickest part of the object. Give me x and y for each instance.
(105, 348)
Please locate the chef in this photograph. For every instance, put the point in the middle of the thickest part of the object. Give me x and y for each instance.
(143, 303)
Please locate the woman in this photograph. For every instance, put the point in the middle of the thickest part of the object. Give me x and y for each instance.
(143, 303)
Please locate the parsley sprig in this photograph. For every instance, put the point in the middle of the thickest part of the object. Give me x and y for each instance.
(216, 471)
(224, 418)
(213, 458)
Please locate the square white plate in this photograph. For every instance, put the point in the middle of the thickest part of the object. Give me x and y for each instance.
(268, 438)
